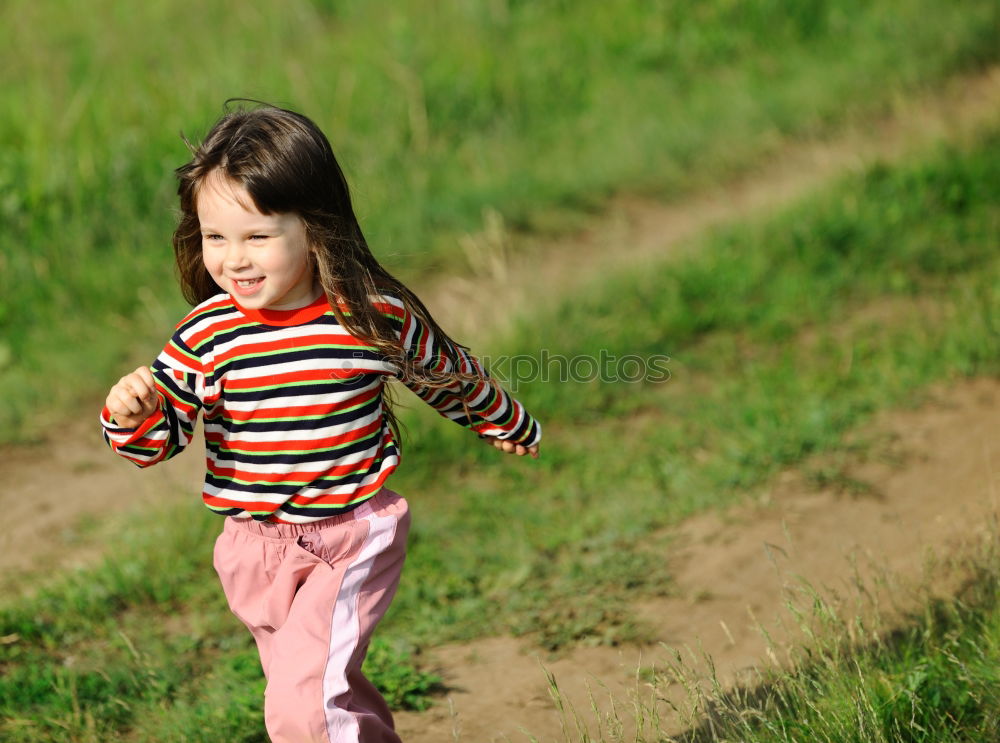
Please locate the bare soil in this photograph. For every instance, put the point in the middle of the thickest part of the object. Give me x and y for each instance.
(941, 494)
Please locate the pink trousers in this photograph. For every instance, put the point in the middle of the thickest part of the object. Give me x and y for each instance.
(311, 594)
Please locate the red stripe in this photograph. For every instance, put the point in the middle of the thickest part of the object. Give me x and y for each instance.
(292, 377)
(141, 459)
(221, 303)
(282, 413)
(176, 402)
(216, 502)
(343, 498)
(216, 326)
(387, 307)
(272, 477)
(284, 445)
(497, 403)
(148, 443)
(182, 359)
(421, 335)
(293, 411)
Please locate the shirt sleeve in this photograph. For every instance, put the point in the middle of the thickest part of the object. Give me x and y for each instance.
(492, 411)
(179, 379)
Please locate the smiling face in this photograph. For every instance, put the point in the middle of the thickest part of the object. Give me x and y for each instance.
(262, 260)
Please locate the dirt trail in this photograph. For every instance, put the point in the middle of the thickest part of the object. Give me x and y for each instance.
(635, 231)
(49, 491)
(934, 486)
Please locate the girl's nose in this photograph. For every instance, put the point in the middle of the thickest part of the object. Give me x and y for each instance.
(236, 256)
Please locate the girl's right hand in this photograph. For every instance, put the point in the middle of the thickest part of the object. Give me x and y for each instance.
(133, 399)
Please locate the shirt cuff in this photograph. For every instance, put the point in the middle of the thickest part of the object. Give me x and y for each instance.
(120, 436)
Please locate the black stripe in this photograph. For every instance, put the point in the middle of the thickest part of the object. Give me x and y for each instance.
(334, 386)
(308, 356)
(320, 455)
(168, 380)
(296, 424)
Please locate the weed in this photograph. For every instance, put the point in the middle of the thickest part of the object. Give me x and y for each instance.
(390, 667)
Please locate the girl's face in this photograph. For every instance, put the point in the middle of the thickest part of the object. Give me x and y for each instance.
(262, 260)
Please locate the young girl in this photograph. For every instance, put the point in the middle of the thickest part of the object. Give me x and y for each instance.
(295, 332)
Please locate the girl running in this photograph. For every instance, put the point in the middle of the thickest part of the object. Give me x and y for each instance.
(295, 331)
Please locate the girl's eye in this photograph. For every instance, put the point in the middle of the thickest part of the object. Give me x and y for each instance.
(258, 237)
(211, 238)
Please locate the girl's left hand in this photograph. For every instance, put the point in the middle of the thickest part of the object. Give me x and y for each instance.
(511, 448)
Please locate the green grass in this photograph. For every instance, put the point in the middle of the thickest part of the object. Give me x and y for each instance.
(145, 649)
(928, 677)
(783, 338)
(438, 111)
(934, 681)
(776, 355)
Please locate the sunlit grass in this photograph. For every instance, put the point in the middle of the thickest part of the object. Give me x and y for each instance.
(856, 674)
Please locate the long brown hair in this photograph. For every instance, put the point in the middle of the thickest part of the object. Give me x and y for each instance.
(286, 164)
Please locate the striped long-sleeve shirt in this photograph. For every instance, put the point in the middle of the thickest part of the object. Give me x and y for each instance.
(295, 428)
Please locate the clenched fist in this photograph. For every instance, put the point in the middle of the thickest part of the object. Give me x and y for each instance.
(133, 399)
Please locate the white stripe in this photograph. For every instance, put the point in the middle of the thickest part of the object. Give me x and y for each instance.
(262, 370)
(324, 335)
(345, 628)
(290, 396)
(311, 434)
(319, 465)
(203, 324)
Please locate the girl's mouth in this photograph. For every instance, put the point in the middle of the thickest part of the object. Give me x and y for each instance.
(246, 287)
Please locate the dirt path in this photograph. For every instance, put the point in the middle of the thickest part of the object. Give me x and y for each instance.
(50, 493)
(934, 485)
(637, 231)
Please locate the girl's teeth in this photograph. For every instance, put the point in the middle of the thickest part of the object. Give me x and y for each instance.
(247, 282)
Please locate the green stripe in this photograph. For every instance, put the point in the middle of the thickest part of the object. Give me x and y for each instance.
(230, 450)
(510, 415)
(287, 384)
(217, 331)
(265, 354)
(318, 506)
(421, 337)
(179, 402)
(184, 353)
(134, 449)
(338, 411)
(199, 313)
(297, 483)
